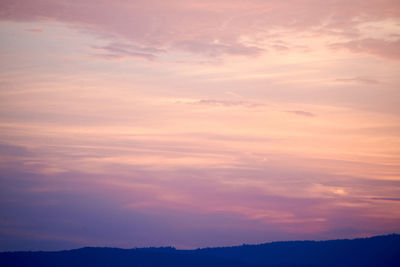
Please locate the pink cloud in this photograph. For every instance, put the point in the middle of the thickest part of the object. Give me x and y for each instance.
(34, 30)
(362, 80)
(382, 48)
(205, 27)
(387, 198)
(301, 113)
(214, 49)
(121, 50)
(228, 103)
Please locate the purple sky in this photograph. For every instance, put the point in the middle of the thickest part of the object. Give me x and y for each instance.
(197, 123)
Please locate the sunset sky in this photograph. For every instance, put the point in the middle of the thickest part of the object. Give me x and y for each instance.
(196, 123)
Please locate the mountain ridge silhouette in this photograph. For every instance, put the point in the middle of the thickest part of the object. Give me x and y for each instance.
(372, 251)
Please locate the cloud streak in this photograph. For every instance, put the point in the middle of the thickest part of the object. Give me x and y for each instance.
(382, 48)
(227, 103)
(301, 113)
(123, 51)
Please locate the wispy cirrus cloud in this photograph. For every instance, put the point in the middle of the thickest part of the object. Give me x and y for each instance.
(386, 198)
(215, 48)
(34, 31)
(227, 103)
(362, 80)
(301, 113)
(126, 51)
(377, 47)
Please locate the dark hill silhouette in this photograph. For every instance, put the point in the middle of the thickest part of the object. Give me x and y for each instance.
(373, 251)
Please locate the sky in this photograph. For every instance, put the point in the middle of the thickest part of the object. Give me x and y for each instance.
(197, 123)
